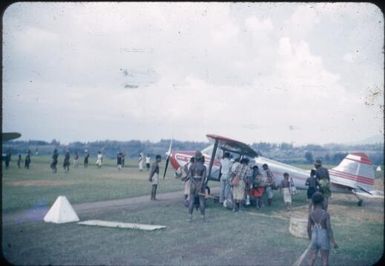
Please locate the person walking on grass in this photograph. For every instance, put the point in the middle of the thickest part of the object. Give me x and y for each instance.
(53, 165)
(66, 162)
(319, 231)
(154, 176)
(99, 160)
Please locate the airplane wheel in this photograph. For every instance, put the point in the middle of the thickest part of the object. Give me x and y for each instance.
(359, 203)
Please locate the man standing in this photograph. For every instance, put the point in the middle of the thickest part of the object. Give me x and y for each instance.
(119, 160)
(55, 156)
(225, 175)
(154, 176)
(269, 182)
(27, 160)
(323, 178)
(86, 155)
(197, 174)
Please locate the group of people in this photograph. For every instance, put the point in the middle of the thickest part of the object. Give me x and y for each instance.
(142, 159)
(27, 159)
(240, 183)
(67, 158)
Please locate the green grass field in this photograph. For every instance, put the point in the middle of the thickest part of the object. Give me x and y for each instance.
(252, 237)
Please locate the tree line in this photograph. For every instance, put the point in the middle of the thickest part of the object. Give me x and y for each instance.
(285, 152)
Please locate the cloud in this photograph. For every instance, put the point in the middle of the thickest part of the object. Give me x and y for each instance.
(151, 70)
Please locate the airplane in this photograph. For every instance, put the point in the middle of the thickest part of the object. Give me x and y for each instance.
(355, 173)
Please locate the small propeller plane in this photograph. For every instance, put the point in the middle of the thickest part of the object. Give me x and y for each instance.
(355, 173)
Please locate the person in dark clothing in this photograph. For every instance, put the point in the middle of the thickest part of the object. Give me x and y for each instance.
(66, 162)
(312, 184)
(19, 161)
(323, 178)
(27, 160)
(7, 158)
(55, 156)
(86, 156)
(119, 160)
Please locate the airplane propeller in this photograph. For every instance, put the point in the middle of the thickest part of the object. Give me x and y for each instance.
(168, 154)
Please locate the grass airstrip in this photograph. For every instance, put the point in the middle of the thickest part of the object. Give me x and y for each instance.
(251, 237)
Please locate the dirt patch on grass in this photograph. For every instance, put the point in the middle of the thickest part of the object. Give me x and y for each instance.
(45, 183)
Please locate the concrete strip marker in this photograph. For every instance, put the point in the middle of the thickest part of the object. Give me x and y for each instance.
(145, 227)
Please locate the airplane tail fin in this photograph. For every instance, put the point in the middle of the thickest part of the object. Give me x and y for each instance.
(355, 170)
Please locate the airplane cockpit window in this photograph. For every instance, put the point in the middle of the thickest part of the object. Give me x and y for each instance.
(209, 151)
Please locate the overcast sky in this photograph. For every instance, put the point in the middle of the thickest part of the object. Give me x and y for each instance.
(271, 72)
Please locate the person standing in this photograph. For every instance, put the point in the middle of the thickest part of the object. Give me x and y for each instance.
(286, 191)
(86, 156)
(238, 182)
(27, 160)
(66, 162)
(7, 158)
(19, 161)
(76, 160)
(312, 184)
(269, 183)
(99, 159)
(323, 178)
(53, 165)
(148, 162)
(319, 231)
(197, 174)
(225, 171)
(186, 179)
(119, 160)
(154, 176)
(140, 161)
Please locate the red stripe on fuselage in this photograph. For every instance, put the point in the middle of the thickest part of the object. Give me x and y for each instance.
(361, 179)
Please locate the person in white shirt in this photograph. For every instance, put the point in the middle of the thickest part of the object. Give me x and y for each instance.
(225, 171)
(148, 162)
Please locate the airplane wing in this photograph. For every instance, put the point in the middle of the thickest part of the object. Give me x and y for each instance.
(9, 136)
(233, 145)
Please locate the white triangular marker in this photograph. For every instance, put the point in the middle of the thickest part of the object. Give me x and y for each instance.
(61, 212)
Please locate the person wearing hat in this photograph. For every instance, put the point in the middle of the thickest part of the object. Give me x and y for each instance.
(323, 178)
(197, 173)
